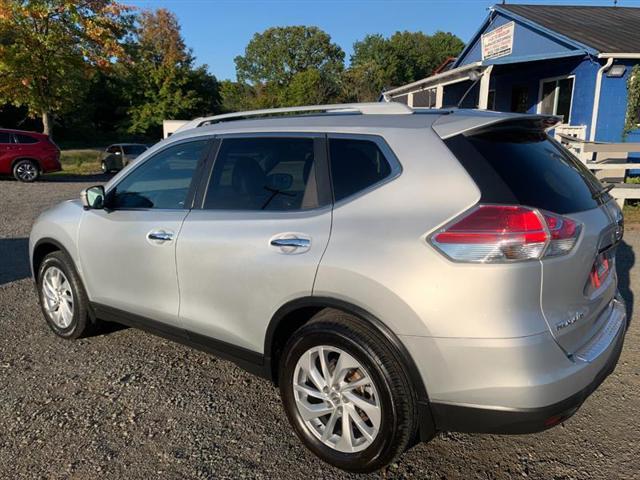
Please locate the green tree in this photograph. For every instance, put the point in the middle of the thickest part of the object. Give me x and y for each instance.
(237, 96)
(48, 49)
(165, 82)
(379, 63)
(279, 53)
(310, 87)
(291, 65)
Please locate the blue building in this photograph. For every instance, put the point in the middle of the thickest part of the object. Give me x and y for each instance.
(572, 61)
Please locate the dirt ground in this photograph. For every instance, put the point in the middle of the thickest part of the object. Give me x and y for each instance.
(125, 404)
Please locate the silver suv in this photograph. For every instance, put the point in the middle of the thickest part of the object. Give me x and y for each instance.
(395, 271)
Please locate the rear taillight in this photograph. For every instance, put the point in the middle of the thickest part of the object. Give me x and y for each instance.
(506, 233)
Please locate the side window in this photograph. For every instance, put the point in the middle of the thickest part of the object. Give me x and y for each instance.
(5, 137)
(355, 165)
(163, 181)
(24, 138)
(274, 174)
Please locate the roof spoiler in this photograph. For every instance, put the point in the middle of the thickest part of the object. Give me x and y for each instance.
(476, 121)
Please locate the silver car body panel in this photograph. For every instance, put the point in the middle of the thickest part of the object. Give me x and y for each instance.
(125, 269)
(232, 280)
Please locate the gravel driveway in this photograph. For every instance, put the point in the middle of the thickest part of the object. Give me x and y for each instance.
(125, 404)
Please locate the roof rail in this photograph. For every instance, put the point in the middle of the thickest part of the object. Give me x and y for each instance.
(372, 108)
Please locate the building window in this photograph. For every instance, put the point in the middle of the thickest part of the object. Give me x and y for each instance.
(519, 99)
(555, 97)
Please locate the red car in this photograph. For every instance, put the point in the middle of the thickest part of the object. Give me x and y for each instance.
(27, 155)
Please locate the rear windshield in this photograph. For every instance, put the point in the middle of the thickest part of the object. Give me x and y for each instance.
(526, 168)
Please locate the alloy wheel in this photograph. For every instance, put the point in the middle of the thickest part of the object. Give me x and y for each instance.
(337, 399)
(58, 297)
(26, 171)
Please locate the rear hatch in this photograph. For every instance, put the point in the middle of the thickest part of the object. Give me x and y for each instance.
(514, 162)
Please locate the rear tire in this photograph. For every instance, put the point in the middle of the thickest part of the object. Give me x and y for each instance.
(63, 300)
(26, 171)
(381, 408)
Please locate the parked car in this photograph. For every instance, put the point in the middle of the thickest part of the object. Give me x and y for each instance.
(395, 271)
(27, 155)
(119, 155)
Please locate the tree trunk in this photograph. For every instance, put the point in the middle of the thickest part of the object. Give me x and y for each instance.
(47, 126)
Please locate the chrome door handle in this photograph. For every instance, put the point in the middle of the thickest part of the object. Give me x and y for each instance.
(291, 242)
(160, 236)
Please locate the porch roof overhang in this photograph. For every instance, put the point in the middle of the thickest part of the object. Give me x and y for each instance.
(454, 75)
(463, 73)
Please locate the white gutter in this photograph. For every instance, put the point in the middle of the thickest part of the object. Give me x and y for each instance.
(596, 98)
(433, 78)
(619, 55)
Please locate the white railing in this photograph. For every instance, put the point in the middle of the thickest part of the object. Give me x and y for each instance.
(609, 162)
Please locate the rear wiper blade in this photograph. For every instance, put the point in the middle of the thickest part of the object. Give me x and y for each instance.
(601, 192)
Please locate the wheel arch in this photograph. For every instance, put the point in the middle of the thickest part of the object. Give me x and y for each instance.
(297, 312)
(41, 249)
(33, 159)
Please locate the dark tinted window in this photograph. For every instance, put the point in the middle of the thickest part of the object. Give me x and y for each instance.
(355, 165)
(526, 168)
(134, 149)
(25, 138)
(5, 137)
(163, 181)
(263, 174)
(113, 149)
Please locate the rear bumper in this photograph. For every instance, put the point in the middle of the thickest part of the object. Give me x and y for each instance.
(512, 395)
(51, 163)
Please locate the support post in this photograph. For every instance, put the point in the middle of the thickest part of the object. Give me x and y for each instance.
(483, 95)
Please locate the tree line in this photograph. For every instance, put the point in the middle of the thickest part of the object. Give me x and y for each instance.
(98, 68)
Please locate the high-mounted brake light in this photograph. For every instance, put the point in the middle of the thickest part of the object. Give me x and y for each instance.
(506, 233)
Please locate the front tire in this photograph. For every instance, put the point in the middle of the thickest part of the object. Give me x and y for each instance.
(346, 394)
(63, 300)
(26, 171)
(103, 167)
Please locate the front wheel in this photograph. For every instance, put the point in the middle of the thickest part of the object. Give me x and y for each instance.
(345, 393)
(103, 167)
(63, 300)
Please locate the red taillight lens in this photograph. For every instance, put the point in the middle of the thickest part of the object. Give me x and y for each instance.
(564, 233)
(498, 233)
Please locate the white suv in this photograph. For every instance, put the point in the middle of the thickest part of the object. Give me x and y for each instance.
(395, 271)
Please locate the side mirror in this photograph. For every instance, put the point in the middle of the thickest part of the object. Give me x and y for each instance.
(93, 198)
(279, 181)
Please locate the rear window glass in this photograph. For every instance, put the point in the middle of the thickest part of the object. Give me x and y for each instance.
(526, 168)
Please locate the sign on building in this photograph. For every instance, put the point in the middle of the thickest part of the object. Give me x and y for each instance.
(498, 42)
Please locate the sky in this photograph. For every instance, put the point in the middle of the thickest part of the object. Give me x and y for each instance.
(219, 30)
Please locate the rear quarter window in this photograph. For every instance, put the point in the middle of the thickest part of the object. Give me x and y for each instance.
(526, 168)
(356, 165)
(25, 138)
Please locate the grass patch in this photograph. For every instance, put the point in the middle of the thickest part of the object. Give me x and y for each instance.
(80, 162)
(631, 212)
